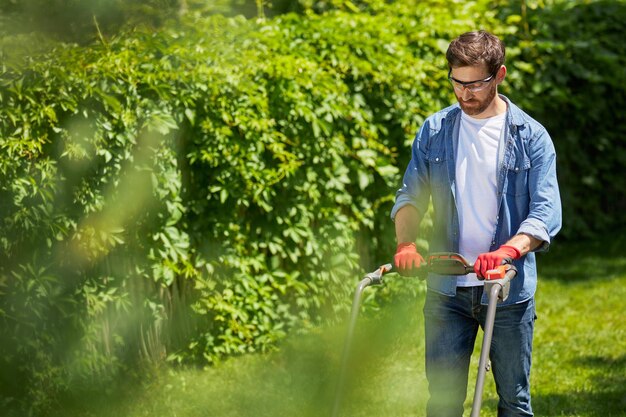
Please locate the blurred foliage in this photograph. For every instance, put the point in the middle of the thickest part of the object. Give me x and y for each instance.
(190, 185)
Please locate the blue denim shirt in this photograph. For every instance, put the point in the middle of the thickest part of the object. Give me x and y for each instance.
(527, 191)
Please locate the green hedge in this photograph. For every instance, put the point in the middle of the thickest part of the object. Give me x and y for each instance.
(199, 190)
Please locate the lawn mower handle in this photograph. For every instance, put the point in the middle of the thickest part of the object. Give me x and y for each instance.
(446, 264)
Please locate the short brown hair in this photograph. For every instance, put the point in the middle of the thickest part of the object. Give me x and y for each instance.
(476, 48)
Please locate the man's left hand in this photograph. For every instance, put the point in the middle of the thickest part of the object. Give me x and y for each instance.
(491, 260)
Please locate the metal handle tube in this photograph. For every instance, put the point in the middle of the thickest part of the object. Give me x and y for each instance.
(356, 303)
(495, 288)
(485, 349)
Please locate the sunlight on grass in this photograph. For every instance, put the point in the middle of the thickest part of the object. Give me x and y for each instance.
(386, 377)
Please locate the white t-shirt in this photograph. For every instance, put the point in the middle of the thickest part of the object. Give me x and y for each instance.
(476, 187)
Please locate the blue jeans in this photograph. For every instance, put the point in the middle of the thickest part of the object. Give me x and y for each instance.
(451, 325)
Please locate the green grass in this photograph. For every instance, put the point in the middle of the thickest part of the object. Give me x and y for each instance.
(579, 366)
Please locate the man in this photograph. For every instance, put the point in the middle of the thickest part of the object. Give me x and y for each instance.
(490, 170)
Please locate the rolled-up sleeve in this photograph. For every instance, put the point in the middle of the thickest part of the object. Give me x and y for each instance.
(544, 218)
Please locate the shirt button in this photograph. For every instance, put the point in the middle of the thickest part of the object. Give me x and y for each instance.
(516, 169)
(437, 159)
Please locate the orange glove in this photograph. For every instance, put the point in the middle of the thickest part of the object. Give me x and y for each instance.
(490, 260)
(407, 260)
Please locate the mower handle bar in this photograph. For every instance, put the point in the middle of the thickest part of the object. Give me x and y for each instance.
(446, 263)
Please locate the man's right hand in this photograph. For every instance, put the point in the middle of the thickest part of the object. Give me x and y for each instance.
(407, 259)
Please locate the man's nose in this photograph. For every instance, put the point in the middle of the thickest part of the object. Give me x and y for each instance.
(466, 94)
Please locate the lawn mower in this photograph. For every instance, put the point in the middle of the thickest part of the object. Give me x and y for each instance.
(497, 283)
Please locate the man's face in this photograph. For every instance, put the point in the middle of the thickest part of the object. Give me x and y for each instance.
(474, 103)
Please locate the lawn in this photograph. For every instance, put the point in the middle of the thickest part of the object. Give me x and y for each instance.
(579, 366)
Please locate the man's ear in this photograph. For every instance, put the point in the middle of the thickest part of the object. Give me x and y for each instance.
(501, 74)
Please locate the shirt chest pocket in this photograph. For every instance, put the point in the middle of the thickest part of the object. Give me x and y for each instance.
(437, 167)
(517, 170)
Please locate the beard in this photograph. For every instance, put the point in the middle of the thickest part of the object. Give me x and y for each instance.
(475, 106)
